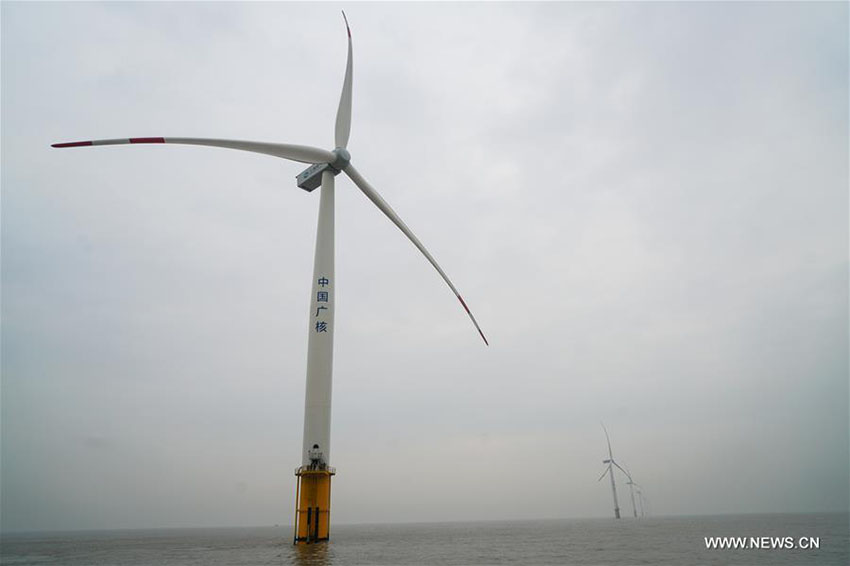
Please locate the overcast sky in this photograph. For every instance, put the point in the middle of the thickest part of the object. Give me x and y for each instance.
(644, 204)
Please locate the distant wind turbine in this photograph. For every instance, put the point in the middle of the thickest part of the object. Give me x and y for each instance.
(644, 503)
(312, 514)
(609, 470)
(631, 483)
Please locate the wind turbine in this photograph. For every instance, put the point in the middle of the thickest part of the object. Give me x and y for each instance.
(640, 501)
(312, 512)
(610, 471)
(631, 483)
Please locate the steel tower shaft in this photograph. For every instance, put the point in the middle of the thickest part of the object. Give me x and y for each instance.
(313, 491)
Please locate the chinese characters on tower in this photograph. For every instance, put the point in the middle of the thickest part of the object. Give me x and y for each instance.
(322, 297)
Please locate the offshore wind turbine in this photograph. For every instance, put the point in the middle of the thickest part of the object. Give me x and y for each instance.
(313, 486)
(631, 483)
(644, 503)
(609, 470)
(640, 501)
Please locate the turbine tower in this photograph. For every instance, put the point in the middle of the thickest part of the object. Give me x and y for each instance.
(313, 486)
(609, 470)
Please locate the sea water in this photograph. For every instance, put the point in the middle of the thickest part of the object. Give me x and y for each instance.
(654, 540)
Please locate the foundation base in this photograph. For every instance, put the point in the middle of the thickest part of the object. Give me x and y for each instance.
(313, 504)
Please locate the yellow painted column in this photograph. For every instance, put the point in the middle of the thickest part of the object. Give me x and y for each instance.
(313, 505)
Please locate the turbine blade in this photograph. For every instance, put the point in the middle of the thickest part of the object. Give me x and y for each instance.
(343, 113)
(610, 455)
(608, 469)
(373, 195)
(301, 153)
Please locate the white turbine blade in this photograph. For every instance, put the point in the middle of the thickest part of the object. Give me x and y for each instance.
(610, 455)
(608, 469)
(343, 113)
(373, 195)
(302, 153)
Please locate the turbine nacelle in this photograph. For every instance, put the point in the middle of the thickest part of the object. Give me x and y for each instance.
(311, 177)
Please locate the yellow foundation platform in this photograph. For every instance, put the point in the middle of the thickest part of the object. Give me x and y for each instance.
(313, 504)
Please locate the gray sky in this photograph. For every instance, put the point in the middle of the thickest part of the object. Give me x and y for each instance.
(645, 205)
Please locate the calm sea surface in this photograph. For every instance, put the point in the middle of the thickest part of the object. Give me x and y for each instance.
(673, 540)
